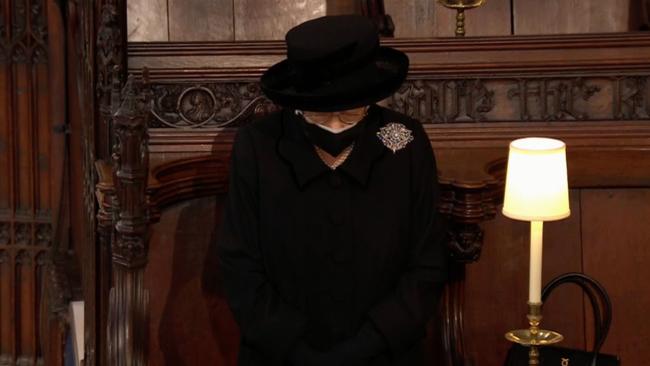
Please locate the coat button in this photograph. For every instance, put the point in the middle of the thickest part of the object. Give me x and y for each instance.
(335, 180)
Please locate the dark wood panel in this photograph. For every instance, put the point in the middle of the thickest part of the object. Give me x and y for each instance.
(606, 55)
(42, 144)
(6, 141)
(336, 7)
(616, 241)
(417, 19)
(23, 129)
(55, 156)
(215, 20)
(499, 281)
(25, 195)
(7, 306)
(197, 332)
(25, 304)
(200, 20)
(571, 16)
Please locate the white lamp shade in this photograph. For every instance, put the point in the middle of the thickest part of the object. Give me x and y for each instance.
(536, 180)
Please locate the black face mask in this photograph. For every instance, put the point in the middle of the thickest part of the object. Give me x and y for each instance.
(333, 143)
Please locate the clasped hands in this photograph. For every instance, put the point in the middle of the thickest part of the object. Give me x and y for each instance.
(357, 351)
(305, 355)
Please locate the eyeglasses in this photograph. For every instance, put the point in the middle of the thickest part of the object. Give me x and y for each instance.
(349, 116)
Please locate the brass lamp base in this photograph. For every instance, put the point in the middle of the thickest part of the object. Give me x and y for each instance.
(526, 338)
(534, 337)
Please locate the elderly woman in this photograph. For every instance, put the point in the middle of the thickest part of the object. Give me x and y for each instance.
(331, 247)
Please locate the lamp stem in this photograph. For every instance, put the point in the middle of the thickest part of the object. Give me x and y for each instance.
(535, 279)
(460, 23)
(534, 319)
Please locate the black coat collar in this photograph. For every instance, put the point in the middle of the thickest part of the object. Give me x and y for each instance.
(294, 147)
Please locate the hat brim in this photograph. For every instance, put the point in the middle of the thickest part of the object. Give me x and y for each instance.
(374, 81)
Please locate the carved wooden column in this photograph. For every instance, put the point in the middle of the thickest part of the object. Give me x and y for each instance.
(110, 70)
(105, 194)
(466, 204)
(128, 299)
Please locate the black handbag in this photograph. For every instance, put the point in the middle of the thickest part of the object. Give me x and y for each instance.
(561, 356)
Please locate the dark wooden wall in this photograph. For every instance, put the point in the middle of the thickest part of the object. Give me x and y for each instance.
(242, 20)
(31, 166)
(219, 20)
(56, 69)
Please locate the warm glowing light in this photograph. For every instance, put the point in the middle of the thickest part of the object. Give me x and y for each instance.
(536, 181)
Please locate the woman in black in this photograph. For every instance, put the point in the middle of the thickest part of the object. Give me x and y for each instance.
(331, 247)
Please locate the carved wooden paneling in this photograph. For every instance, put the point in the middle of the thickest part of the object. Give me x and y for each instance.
(580, 88)
(202, 105)
(582, 78)
(108, 35)
(128, 299)
(205, 105)
(95, 45)
(29, 161)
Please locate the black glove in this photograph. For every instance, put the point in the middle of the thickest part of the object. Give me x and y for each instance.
(358, 350)
(304, 355)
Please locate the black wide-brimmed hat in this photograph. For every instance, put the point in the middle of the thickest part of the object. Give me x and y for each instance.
(334, 63)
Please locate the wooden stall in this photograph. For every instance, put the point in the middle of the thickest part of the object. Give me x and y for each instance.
(474, 96)
(112, 194)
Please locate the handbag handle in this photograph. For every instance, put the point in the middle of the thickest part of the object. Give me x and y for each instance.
(600, 302)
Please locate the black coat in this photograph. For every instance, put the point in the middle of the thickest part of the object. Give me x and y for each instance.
(311, 253)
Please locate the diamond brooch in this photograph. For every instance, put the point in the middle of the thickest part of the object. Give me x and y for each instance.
(395, 136)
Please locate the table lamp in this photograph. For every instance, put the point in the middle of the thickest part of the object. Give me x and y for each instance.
(536, 191)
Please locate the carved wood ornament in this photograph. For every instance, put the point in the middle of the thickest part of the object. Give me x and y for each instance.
(128, 299)
(432, 101)
(28, 210)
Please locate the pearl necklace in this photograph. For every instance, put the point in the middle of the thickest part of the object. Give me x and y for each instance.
(338, 160)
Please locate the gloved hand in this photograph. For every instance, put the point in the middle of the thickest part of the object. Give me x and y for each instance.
(360, 349)
(304, 355)
(356, 351)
